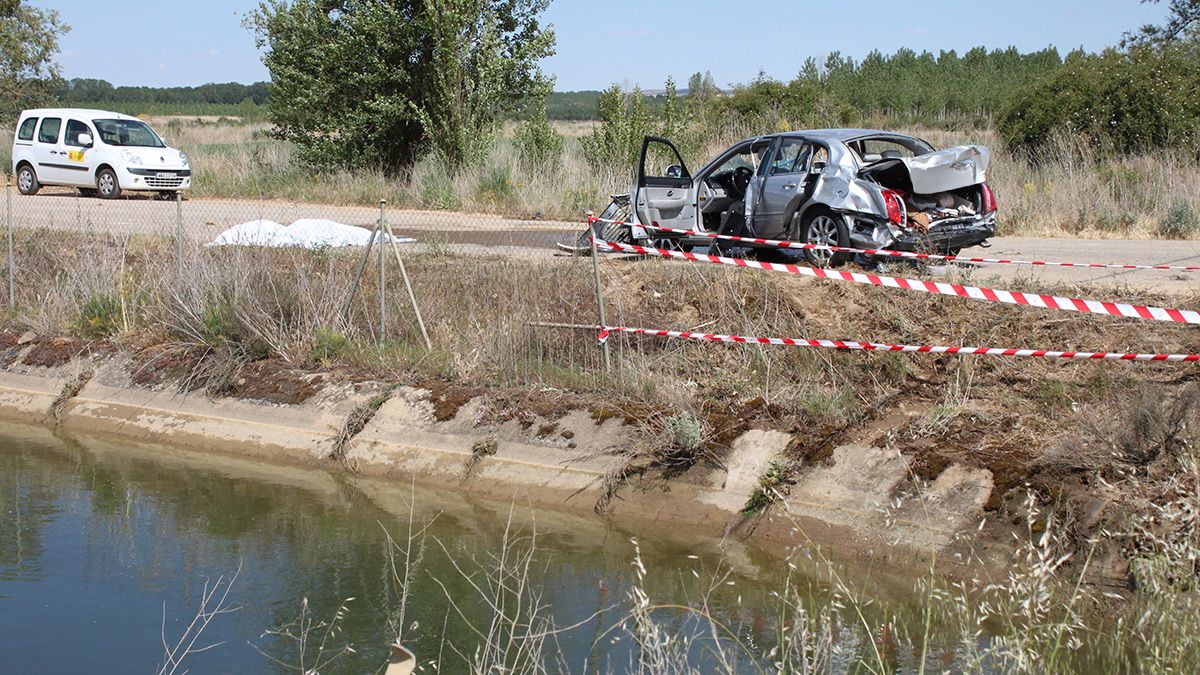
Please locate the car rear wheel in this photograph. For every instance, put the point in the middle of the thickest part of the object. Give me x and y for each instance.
(825, 228)
(27, 180)
(107, 185)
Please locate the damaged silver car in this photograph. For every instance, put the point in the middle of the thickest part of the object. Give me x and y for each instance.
(854, 188)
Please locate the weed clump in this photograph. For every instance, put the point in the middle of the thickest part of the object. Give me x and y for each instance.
(771, 484)
(328, 345)
(100, 316)
(497, 186)
(485, 447)
(356, 421)
(1180, 222)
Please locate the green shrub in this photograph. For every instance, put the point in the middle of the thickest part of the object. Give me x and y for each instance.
(1129, 101)
(624, 121)
(1181, 222)
(539, 146)
(100, 316)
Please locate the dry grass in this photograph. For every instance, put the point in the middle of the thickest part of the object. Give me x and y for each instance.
(1072, 190)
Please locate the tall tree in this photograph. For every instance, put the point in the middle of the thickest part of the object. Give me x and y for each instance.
(28, 43)
(377, 83)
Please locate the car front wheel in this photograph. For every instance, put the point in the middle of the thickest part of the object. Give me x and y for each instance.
(27, 180)
(107, 185)
(825, 228)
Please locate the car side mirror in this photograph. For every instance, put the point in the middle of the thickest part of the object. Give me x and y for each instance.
(817, 168)
(674, 171)
(85, 140)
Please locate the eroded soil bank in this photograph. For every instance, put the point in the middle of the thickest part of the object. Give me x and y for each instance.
(553, 449)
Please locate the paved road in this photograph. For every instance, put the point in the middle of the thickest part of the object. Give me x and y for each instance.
(203, 219)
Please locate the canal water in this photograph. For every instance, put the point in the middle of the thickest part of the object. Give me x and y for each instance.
(106, 549)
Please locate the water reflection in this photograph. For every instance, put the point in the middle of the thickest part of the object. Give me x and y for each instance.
(99, 540)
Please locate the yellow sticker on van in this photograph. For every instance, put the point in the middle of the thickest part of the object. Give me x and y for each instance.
(75, 155)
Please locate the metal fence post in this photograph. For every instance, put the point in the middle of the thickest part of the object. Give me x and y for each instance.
(412, 296)
(382, 277)
(8, 220)
(599, 293)
(179, 232)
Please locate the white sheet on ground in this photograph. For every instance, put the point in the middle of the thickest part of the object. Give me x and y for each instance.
(304, 233)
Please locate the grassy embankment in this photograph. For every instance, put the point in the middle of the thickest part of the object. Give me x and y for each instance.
(1107, 448)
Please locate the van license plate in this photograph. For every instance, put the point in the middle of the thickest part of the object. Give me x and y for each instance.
(164, 175)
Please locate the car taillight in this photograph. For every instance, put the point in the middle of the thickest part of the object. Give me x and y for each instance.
(895, 206)
(989, 199)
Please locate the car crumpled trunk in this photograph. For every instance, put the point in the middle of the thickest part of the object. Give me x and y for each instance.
(937, 187)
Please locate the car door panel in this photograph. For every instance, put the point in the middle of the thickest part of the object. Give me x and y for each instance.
(784, 185)
(77, 163)
(48, 151)
(665, 198)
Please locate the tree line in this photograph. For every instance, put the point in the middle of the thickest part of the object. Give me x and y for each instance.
(83, 91)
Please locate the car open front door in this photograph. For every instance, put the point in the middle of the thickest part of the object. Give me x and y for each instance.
(666, 196)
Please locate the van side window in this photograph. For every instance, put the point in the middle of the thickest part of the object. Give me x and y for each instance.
(49, 131)
(25, 133)
(74, 129)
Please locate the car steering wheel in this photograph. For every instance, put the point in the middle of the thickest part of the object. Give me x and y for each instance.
(741, 179)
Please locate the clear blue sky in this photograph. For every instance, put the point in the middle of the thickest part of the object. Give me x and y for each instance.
(629, 41)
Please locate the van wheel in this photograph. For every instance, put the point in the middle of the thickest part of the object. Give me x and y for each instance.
(27, 181)
(827, 229)
(107, 184)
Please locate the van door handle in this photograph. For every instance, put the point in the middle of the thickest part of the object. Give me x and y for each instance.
(789, 186)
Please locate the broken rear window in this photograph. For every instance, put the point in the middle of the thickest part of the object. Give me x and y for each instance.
(874, 149)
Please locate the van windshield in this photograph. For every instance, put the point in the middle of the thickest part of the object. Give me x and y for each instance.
(127, 133)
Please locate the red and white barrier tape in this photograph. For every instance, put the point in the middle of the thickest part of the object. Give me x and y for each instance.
(936, 287)
(901, 254)
(606, 331)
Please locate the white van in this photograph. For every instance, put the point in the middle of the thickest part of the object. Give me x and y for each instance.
(99, 152)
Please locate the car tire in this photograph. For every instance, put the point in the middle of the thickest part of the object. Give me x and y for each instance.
(27, 180)
(107, 185)
(824, 227)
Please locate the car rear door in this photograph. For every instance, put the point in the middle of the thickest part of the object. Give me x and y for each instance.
(783, 186)
(666, 194)
(48, 151)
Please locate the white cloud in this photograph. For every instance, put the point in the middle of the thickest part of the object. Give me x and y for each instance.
(212, 51)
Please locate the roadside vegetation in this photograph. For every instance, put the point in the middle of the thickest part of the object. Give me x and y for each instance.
(1094, 463)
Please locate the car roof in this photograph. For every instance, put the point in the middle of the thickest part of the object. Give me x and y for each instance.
(841, 134)
(81, 112)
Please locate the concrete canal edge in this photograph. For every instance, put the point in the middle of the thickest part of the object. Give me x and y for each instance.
(861, 502)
